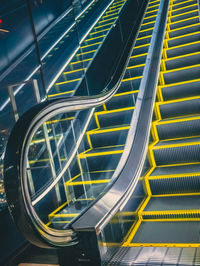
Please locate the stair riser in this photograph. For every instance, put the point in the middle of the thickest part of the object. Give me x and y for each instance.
(109, 138)
(190, 184)
(181, 91)
(179, 129)
(122, 101)
(115, 119)
(104, 162)
(183, 108)
(176, 155)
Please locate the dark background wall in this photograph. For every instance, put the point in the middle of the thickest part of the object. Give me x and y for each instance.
(16, 20)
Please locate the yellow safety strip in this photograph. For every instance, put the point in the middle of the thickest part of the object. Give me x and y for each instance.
(89, 45)
(60, 93)
(67, 81)
(94, 38)
(73, 71)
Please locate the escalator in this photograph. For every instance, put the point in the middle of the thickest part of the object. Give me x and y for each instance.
(70, 75)
(107, 181)
(171, 208)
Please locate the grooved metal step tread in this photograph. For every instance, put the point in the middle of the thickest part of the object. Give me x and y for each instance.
(168, 232)
(156, 256)
(179, 141)
(173, 203)
(173, 170)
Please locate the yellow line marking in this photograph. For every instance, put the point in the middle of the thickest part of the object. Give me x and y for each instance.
(96, 32)
(179, 100)
(77, 62)
(89, 45)
(72, 71)
(89, 52)
(58, 209)
(60, 93)
(94, 38)
(152, 177)
(176, 195)
(185, 7)
(125, 93)
(162, 244)
(84, 155)
(134, 78)
(180, 69)
(89, 182)
(59, 120)
(115, 110)
(108, 130)
(68, 81)
(130, 67)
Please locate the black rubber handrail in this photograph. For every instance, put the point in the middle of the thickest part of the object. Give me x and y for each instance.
(17, 148)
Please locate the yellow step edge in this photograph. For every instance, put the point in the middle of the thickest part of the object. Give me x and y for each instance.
(105, 20)
(177, 195)
(135, 56)
(73, 71)
(113, 14)
(140, 65)
(58, 209)
(115, 110)
(178, 100)
(112, 10)
(182, 14)
(145, 37)
(168, 146)
(60, 93)
(97, 27)
(85, 155)
(181, 56)
(89, 52)
(178, 9)
(115, 5)
(182, 36)
(174, 176)
(146, 30)
(128, 79)
(65, 215)
(59, 120)
(179, 21)
(133, 232)
(142, 45)
(125, 93)
(180, 69)
(176, 120)
(153, 16)
(67, 81)
(185, 27)
(179, 83)
(89, 45)
(152, 11)
(187, 1)
(149, 7)
(147, 23)
(182, 45)
(99, 131)
(180, 245)
(151, 2)
(179, 164)
(96, 32)
(81, 61)
(77, 183)
(94, 38)
(171, 212)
